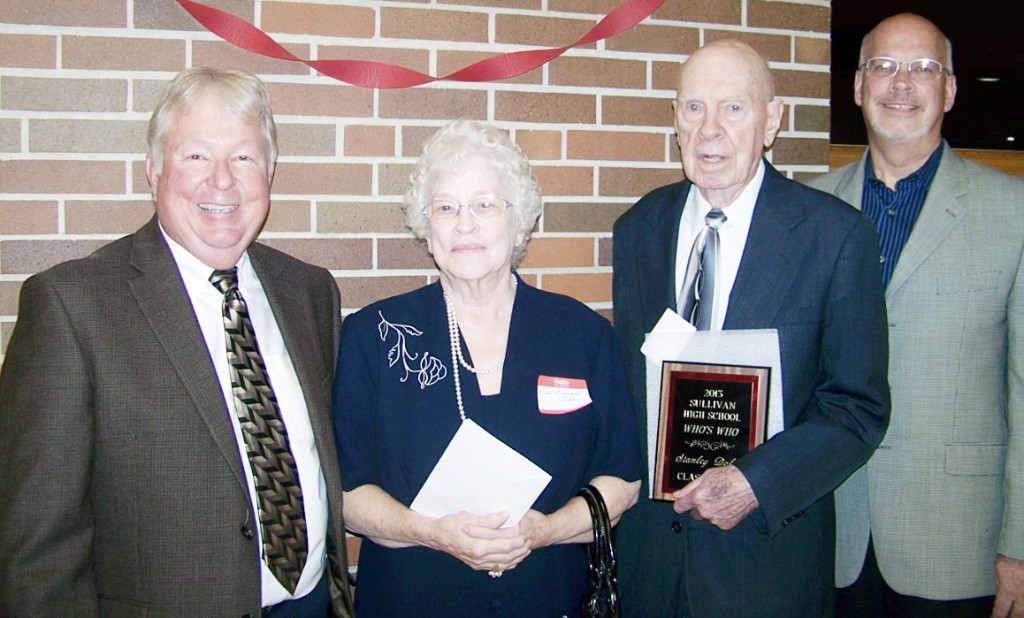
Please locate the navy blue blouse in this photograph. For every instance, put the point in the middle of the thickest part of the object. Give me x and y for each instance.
(395, 412)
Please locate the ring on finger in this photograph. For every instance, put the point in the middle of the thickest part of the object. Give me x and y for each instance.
(495, 571)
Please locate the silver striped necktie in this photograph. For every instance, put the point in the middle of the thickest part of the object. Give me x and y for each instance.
(697, 294)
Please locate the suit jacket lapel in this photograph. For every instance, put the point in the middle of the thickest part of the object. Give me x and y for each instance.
(161, 297)
(942, 212)
(296, 325)
(659, 255)
(770, 258)
(850, 187)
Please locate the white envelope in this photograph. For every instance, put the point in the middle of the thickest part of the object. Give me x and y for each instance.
(675, 339)
(480, 474)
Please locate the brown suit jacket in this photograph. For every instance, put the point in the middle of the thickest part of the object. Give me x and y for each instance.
(123, 488)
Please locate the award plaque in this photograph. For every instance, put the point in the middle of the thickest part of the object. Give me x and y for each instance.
(710, 416)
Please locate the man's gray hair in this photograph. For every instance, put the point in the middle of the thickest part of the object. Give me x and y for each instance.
(239, 91)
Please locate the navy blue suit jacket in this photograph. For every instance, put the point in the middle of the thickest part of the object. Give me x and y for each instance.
(809, 270)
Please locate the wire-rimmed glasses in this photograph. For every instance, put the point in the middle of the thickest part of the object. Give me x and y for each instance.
(920, 70)
(483, 207)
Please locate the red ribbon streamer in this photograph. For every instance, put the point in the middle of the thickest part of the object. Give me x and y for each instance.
(370, 74)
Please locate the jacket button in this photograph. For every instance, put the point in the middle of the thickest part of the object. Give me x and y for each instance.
(247, 532)
(677, 527)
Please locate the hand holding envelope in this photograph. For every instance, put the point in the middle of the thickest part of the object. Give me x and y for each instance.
(480, 474)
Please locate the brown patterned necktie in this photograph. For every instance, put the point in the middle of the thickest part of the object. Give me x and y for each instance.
(278, 493)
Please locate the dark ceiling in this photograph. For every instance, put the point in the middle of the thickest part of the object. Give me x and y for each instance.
(987, 43)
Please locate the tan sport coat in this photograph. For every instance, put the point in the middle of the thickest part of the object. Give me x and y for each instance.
(945, 490)
(123, 487)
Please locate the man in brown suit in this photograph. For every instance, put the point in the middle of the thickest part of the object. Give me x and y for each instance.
(128, 485)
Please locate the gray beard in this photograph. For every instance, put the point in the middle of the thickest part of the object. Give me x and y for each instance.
(900, 136)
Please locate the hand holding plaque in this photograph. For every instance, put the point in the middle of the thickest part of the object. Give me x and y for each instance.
(720, 496)
(710, 416)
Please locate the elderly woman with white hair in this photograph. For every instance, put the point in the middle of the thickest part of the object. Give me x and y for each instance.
(478, 345)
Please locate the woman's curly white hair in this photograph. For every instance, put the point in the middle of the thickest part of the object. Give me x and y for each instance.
(453, 145)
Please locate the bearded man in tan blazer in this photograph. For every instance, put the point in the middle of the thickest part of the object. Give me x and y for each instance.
(128, 486)
(933, 524)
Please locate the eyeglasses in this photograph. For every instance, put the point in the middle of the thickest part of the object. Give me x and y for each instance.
(485, 207)
(920, 70)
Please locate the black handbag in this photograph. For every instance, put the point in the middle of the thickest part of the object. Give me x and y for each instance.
(602, 597)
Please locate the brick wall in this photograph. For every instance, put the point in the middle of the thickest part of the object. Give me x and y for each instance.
(79, 79)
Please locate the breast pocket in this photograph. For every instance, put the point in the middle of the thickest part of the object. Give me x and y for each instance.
(958, 283)
(978, 301)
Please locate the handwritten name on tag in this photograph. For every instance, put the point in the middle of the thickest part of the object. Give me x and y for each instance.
(561, 395)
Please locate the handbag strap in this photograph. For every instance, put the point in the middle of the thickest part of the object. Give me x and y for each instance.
(602, 554)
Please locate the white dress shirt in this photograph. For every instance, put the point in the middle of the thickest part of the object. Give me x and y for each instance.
(732, 237)
(207, 302)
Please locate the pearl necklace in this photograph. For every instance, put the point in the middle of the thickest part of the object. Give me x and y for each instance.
(453, 337)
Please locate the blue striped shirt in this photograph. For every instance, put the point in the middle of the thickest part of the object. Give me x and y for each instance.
(895, 212)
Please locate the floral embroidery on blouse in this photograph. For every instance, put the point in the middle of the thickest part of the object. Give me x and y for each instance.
(428, 369)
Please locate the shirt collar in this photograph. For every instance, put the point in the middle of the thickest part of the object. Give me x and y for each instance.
(741, 210)
(193, 270)
(923, 174)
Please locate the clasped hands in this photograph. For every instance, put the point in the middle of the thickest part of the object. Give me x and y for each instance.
(721, 496)
(480, 542)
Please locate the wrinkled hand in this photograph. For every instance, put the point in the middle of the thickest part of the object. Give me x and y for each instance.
(722, 496)
(480, 542)
(1009, 588)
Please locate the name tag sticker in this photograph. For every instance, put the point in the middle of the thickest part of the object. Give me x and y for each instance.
(561, 395)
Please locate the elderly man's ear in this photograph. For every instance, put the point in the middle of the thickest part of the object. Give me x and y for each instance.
(773, 121)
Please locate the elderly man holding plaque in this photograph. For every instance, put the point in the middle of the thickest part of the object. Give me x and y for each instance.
(738, 247)
(441, 390)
